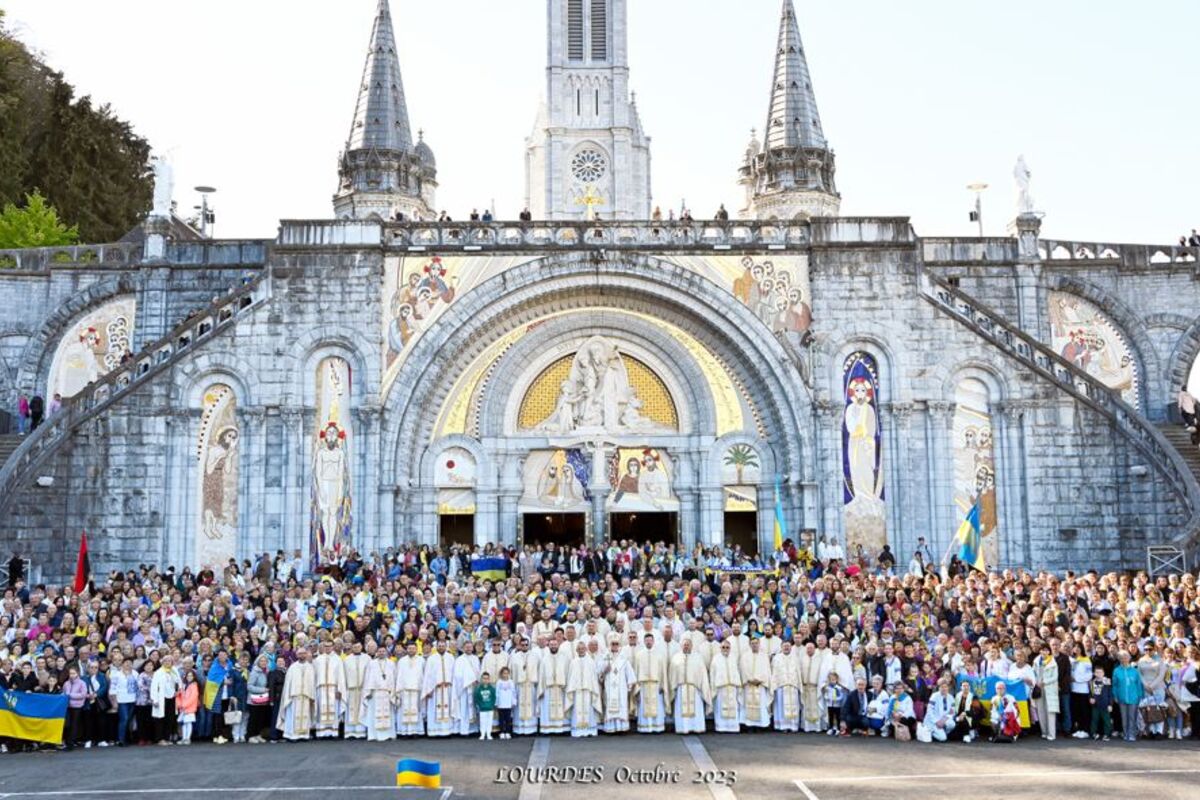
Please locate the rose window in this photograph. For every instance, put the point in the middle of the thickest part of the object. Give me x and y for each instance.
(589, 166)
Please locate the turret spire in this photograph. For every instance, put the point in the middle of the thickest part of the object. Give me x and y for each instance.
(382, 173)
(793, 119)
(381, 114)
(791, 174)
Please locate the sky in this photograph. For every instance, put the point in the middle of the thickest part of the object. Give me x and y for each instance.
(918, 99)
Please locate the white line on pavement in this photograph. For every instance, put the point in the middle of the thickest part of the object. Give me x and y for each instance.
(807, 792)
(538, 756)
(444, 794)
(970, 775)
(704, 763)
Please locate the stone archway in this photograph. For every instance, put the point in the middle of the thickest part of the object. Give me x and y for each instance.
(525, 294)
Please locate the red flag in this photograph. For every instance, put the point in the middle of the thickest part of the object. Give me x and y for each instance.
(83, 567)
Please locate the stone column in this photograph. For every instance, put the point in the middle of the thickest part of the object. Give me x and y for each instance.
(366, 503)
(511, 466)
(599, 489)
(252, 470)
(180, 487)
(899, 487)
(828, 449)
(939, 473)
(1031, 300)
(294, 527)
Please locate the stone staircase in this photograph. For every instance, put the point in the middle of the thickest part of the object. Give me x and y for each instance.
(1169, 451)
(9, 442)
(29, 452)
(1178, 436)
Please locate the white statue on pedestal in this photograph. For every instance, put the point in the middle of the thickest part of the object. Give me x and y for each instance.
(164, 188)
(597, 395)
(1022, 175)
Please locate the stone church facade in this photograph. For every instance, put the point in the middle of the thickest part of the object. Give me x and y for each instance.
(380, 377)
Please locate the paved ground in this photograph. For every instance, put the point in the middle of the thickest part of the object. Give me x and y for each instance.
(659, 767)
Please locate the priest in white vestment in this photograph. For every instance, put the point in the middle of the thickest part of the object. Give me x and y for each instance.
(355, 668)
(525, 669)
(755, 667)
(841, 664)
(690, 688)
(379, 680)
(406, 693)
(552, 687)
(583, 693)
(815, 665)
(619, 680)
(331, 691)
(495, 660)
(553, 669)
(785, 689)
(725, 680)
(297, 703)
(653, 686)
(437, 692)
(466, 676)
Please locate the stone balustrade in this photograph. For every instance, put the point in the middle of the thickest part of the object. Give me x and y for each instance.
(1045, 362)
(40, 259)
(1133, 255)
(153, 359)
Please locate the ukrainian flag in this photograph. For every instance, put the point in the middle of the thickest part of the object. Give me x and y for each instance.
(985, 690)
(780, 525)
(970, 548)
(33, 717)
(426, 774)
(489, 568)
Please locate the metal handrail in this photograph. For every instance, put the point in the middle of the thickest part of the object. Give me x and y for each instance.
(1091, 392)
(101, 395)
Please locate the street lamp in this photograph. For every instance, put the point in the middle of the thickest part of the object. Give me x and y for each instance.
(977, 214)
(208, 216)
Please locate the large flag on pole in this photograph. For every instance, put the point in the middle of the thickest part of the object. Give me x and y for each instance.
(970, 547)
(83, 566)
(780, 525)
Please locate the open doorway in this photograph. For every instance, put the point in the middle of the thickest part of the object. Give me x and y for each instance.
(456, 529)
(741, 529)
(644, 526)
(564, 530)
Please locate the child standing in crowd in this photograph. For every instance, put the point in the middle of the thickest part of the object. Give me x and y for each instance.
(833, 694)
(1101, 704)
(186, 704)
(506, 694)
(485, 703)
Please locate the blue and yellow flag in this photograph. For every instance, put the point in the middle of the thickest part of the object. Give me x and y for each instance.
(488, 568)
(970, 548)
(426, 774)
(33, 717)
(985, 690)
(780, 525)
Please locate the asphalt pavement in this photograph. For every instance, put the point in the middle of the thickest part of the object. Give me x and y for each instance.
(630, 767)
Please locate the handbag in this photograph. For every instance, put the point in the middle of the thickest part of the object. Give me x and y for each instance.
(1037, 693)
(260, 699)
(233, 716)
(1154, 714)
(923, 733)
(903, 734)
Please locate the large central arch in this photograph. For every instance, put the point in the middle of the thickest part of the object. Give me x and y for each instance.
(577, 289)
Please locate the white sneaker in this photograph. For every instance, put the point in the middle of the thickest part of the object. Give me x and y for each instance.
(1080, 734)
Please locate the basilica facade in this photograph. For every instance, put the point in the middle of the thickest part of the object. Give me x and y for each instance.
(594, 373)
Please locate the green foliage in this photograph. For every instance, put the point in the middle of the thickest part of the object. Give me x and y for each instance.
(35, 225)
(86, 162)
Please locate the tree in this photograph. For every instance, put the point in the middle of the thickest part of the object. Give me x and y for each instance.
(741, 456)
(85, 161)
(35, 225)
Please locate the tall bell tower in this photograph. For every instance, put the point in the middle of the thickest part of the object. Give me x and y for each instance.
(587, 154)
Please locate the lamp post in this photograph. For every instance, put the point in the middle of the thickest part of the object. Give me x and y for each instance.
(207, 215)
(977, 214)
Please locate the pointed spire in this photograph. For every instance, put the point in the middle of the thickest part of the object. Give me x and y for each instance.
(381, 114)
(793, 120)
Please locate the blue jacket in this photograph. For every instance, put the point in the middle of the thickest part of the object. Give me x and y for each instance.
(1127, 685)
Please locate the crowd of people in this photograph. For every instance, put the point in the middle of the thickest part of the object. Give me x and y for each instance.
(419, 641)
